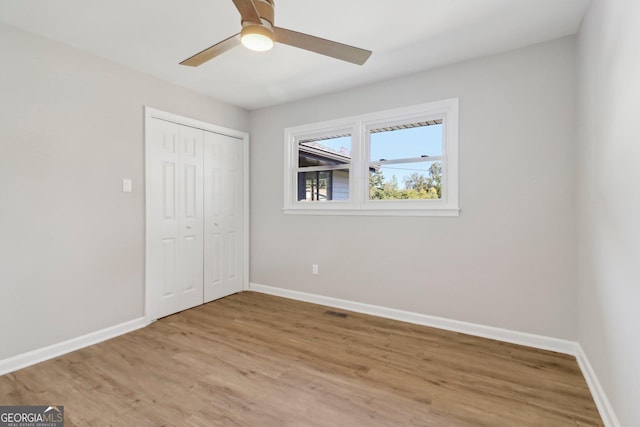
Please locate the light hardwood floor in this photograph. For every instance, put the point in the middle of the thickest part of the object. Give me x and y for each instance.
(258, 360)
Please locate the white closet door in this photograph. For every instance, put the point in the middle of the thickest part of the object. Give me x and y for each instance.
(223, 210)
(176, 225)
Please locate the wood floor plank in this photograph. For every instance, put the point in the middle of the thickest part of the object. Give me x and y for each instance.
(257, 360)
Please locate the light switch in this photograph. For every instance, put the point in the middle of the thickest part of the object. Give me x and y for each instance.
(126, 185)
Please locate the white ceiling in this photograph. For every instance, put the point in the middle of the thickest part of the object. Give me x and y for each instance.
(405, 36)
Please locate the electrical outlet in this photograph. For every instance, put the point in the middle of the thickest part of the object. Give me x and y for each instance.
(314, 269)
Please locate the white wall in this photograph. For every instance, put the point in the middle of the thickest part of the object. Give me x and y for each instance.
(609, 178)
(71, 243)
(508, 261)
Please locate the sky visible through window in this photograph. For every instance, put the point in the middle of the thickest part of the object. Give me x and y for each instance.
(398, 144)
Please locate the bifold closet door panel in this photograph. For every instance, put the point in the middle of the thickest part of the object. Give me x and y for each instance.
(223, 210)
(176, 218)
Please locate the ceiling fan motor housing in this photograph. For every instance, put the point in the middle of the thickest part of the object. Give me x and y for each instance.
(265, 10)
(267, 15)
(260, 33)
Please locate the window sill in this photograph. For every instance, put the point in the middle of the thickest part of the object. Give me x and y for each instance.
(373, 212)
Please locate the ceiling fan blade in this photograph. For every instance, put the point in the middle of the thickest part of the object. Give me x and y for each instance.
(213, 51)
(247, 10)
(336, 50)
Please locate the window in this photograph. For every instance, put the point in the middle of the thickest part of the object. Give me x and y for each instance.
(405, 161)
(324, 165)
(397, 162)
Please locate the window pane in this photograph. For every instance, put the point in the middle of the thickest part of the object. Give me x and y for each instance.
(334, 150)
(323, 185)
(406, 141)
(404, 181)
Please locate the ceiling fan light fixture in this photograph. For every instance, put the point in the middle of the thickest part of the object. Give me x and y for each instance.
(256, 37)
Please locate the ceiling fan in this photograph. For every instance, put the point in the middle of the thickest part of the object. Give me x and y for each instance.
(258, 33)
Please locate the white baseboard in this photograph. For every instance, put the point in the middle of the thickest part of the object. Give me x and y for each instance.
(521, 338)
(40, 355)
(602, 402)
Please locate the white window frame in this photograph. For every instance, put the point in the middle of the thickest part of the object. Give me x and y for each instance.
(358, 127)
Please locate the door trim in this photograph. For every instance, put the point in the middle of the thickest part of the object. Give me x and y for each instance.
(243, 137)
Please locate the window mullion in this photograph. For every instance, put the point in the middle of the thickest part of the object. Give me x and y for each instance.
(358, 166)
